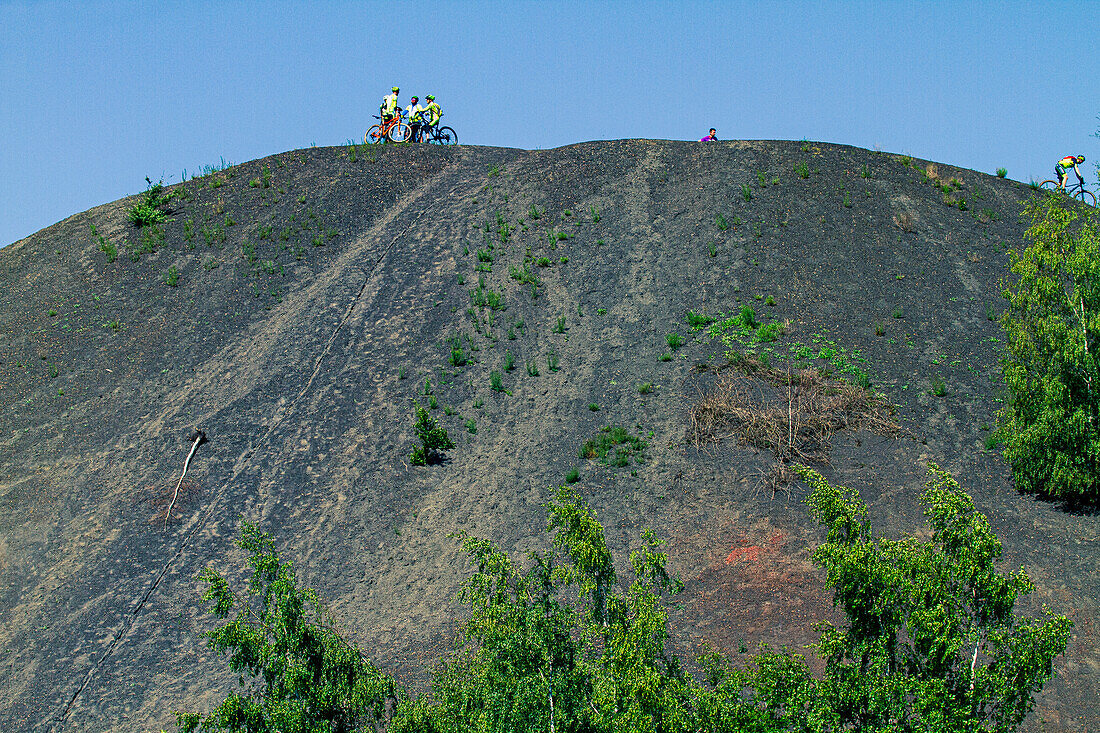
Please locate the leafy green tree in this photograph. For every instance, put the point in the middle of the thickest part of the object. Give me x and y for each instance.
(517, 664)
(638, 684)
(931, 643)
(774, 692)
(433, 438)
(1050, 426)
(305, 677)
(531, 660)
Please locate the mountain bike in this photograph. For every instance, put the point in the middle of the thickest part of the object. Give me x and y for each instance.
(1077, 191)
(440, 136)
(392, 129)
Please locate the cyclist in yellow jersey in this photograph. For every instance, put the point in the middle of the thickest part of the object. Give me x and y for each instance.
(1062, 169)
(415, 113)
(433, 113)
(389, 105)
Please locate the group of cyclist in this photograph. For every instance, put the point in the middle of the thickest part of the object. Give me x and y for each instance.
(420, 118)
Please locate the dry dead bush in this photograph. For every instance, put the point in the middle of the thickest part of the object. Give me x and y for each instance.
(931, 171)
(789, 413)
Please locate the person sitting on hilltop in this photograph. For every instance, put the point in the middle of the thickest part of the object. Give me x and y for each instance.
(415, 113)
(434, 112)
(710, 137)
(389, 105)
(1063, 173)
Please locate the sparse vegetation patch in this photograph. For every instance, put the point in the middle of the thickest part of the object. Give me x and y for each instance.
(614, 445)
(148, 208)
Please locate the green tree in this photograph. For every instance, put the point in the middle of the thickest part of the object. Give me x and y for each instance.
(532, 660)
(774, 692)
(307, 678)
(931, 641)
(1050, 425)
(433, 438)
(517, 664)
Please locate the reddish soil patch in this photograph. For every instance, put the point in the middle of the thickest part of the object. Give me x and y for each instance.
(750, 553)
(762, 590)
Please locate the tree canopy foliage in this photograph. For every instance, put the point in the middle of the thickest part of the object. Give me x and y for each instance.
(297, 673)
(560, 643)
(1050, 425)
(931, 641)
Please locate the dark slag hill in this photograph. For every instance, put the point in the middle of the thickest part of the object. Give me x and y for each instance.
(316, 291)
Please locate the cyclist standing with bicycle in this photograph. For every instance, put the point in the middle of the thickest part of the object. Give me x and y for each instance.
(415, 113)
(1062, 169)
(389, 105)
(434, 112)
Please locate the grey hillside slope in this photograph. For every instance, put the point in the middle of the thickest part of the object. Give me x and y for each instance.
(317, 293)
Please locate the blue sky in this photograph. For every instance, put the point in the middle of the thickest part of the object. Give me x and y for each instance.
(95, 96)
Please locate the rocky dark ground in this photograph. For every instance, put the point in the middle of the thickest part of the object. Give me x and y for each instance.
(317, 292)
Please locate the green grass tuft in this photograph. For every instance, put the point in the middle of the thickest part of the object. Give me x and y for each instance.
(614, 445)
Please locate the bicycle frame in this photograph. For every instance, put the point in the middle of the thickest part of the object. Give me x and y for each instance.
(389, 124)
(422, 128)
(1078, 191)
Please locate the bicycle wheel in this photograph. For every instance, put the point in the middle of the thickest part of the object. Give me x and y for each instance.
(1049, 185)
(373, 136)
(444, 136)
(399, 132)
(1085, 197)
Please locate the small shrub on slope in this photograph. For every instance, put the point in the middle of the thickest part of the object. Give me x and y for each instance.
(148, 209)
(614, 445)
(433, 438)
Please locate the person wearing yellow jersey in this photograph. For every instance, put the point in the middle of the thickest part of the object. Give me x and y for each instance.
(432, 113)
(389, 105)
(1062, 169)
(415, 114)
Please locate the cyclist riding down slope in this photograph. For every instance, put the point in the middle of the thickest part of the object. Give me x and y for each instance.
(389, 105)
(1062, 169)
(433, 113)
(415, 114)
